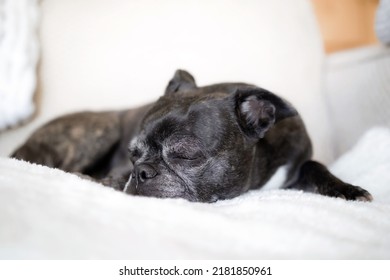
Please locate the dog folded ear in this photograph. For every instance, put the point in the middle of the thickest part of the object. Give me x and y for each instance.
(258, 110)
(182, 80)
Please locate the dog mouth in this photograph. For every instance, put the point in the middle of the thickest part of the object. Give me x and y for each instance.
(154, 189)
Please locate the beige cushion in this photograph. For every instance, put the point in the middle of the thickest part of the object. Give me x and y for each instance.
(103, 54)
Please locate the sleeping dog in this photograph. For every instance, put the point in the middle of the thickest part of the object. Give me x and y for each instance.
(199, 143)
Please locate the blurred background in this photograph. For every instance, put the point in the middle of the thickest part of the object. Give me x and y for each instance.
(346, 24)
(355, 34)
(330, 58)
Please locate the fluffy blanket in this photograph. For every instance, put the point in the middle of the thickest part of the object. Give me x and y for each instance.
(49, 214)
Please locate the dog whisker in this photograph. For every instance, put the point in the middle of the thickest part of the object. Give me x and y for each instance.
(128, 183)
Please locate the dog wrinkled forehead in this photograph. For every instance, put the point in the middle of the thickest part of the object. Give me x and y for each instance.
(137, 143)
(182, 103)
(203, 117)
(152, 137)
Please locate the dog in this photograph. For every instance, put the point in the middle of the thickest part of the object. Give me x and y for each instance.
(202, 144)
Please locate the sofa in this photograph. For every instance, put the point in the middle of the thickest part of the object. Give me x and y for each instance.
(114, 54)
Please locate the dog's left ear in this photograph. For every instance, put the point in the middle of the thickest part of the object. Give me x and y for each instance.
(182, 80)
(257, 110)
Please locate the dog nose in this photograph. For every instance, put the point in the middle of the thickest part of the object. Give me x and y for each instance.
(145, 172)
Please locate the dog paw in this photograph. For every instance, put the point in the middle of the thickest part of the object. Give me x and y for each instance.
(348, 192)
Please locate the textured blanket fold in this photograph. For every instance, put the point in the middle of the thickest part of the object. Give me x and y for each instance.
(49, 214)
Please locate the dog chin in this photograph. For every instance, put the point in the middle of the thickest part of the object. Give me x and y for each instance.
(157, 190)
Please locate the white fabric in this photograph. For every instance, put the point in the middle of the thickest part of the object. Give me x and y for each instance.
(382, 21)
(18, 59)
(46, 213)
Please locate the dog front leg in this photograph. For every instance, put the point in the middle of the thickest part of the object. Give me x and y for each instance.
(316, 178)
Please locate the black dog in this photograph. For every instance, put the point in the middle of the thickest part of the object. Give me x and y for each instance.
(198, 143)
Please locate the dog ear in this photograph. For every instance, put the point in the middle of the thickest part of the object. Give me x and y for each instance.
(182, 80)
(257, 110)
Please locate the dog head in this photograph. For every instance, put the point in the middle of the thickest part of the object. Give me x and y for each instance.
(197, 143)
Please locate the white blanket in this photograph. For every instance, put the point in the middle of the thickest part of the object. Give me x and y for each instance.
(49, 214)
